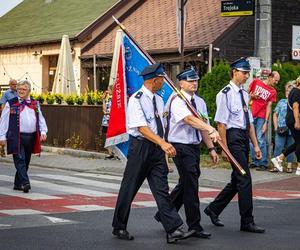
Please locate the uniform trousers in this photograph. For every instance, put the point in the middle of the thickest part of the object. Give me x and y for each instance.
(145, 160)
(22, 159)
(238, 144)
(187, 162)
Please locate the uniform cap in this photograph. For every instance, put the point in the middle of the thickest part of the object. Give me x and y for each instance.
(152, 71)
(241, 64)
(189, 74)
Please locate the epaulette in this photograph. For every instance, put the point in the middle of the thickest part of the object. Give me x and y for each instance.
(139, 94)
(225, 90)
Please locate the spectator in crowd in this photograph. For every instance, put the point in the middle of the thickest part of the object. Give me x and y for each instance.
(293, 123)
(23, 127)
(283, 136)
(106, 111)
(10, 93)
(262, 94)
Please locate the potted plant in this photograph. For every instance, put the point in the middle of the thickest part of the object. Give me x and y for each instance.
(90, 99)
(58, 98)
(50, 99)
(40, 98)
(70, 99)
(99, 97)
(79, 100)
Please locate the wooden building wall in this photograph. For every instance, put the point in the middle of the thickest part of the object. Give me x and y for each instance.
(238, 41)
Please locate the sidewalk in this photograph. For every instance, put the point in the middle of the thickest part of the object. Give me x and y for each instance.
(91, 162)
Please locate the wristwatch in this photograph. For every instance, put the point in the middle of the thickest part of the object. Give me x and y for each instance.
(211, 149)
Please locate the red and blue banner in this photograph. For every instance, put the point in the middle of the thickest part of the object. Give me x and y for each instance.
(127, 80)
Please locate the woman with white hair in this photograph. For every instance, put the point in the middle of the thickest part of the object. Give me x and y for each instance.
(22, 127)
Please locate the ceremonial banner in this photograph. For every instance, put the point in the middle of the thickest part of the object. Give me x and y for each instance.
(125, 76)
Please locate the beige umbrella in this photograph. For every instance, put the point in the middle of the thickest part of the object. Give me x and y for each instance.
(64, 80)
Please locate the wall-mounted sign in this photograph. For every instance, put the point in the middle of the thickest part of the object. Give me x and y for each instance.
(296, 43)
(237, 8)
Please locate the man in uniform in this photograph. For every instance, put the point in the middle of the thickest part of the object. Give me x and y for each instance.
(185, 132)
(235, 126)
(146, 158)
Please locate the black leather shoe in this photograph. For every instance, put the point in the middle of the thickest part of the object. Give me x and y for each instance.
(200, 234)
(213, 217)
(122, 234)
(157, 217)
(252, 228)
(26, 188)
(178, 234)
(17, 188)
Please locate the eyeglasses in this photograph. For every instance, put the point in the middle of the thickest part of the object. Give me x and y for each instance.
(22, 89)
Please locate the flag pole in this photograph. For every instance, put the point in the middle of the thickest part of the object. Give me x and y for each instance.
(178, 92)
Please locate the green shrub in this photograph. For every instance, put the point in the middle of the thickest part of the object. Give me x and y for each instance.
(41, 98)
(211, 83)
(75, 142)
(90, 98)
(79, 100)
(70, 99)
(288, 72)
(58, 98)
(99, 97)
(50, 99)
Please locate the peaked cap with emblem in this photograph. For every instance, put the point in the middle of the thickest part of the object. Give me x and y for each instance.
(152, 71)
(241, 64)
(188, 74)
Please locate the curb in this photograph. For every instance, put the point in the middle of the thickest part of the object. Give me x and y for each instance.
(74, 152)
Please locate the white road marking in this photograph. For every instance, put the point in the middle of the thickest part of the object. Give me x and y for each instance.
(119, 178)
(56, 220)
(31, 195)
(267, 198)
(62, 188)
(87, 182)
(21, 211)
(101, 176)
(294, 195)
(89, 207)
(145, 203)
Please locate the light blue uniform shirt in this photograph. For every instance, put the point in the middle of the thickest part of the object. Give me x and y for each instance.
(140, 111)
(230, 108)
(179, 130)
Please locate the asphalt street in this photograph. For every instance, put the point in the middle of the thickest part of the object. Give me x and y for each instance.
(72, 210)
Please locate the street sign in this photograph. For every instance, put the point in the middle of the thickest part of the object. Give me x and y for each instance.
(296, 54)
(237, 8)
(296, 43)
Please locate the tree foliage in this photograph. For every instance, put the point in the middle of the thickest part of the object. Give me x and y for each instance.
(211, 83)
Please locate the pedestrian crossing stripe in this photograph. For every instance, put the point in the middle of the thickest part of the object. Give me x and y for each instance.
(58, 193)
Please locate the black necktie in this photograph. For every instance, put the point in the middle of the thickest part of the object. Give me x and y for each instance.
(194, 105)
(160, 130)
(245, 109)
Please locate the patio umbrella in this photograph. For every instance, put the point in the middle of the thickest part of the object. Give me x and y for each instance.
(64, 80)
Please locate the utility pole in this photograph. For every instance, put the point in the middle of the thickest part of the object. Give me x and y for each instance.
(95, 67)
(181, 8)
(210, 52)
(264, 34)
(263, 47)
